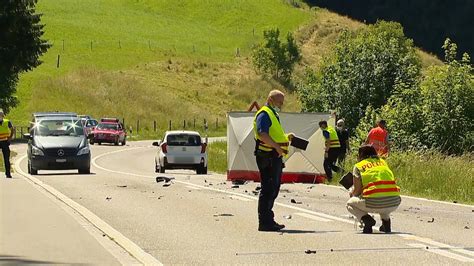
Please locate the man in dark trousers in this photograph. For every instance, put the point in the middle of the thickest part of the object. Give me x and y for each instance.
(331, 149)
(6, 134)
(343, 135)
(271, 144)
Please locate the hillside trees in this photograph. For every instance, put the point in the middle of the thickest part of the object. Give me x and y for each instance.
(20, 45)
(274, 58)
(365, 69)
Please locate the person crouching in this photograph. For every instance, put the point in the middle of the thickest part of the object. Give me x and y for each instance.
(375, 190)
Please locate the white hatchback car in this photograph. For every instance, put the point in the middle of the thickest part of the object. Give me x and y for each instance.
(181, 150)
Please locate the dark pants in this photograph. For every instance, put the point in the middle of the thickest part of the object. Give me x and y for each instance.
(330, 163)
(342, 156)
(270, 177)
(5, 146)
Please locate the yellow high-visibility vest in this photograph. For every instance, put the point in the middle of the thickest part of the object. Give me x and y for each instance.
(276, 132)
(333, 138)
(4, 130)
(377, 179)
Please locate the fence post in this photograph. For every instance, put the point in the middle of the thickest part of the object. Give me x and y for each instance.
(154, 125)
(91, 45)
(170, 124)
(57, 64)
(138, 125)
(120, 45)
(184, 123)
(63, 45)
(194, 123)
(217, 122)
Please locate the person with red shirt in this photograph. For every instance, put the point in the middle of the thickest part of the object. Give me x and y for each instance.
(378, 138)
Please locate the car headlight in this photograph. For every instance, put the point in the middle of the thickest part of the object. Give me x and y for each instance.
(84, 150)
(36, 151)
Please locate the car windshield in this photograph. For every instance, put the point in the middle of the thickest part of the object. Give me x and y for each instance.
(59, 127)
(183, 140)
(103, 126)
(91, 123)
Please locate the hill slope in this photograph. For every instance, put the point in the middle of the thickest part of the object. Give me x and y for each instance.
(164, 60)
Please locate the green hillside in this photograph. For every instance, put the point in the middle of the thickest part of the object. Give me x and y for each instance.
(164, 60)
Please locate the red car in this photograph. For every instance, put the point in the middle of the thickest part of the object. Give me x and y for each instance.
(109, 130)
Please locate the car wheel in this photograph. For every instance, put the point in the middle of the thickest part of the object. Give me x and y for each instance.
(100, 143)
(124, 142)
(31, 170)
(84, 171)
(204, 171)
(162, 169)
(91, 142)
(198, 170)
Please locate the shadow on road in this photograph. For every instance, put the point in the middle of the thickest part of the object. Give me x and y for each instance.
(306, 232)
(15, 260)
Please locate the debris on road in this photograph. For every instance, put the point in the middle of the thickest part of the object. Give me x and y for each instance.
(223, 214)
(295, 202)
(255, 192)
(122, 186)
(235, 186)
(308, 251)
(258, 188)
(285, 190)
(239, 182)
(455, 201)
(108, 198)
(287, 217)
(467, 227)
(310, 187)
(163, 178)
(167, 184)
(432, 220)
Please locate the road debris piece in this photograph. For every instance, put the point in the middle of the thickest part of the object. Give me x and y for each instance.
(167, 184)
(258, 188)
(163, 178)
(295, 202)
(239, 182)
(432, 220)
(287, 217)
(108, 198)
(235, 186)
(223, 214)
(122, 186)
(467, 227)
(255, 192)
(309, 251)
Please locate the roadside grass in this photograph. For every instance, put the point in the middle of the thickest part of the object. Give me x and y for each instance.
(426, 174)
(217, 157)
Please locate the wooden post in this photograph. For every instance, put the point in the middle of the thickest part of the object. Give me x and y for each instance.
(170, 125)
(91, 45)
(194, 123)
(184, 123)
(149, 45)
(57, 64)
(63, 45)
(194, 48)
(238, 52)
(154, 125)
(138, 125)
(120, 45)
(217, 122)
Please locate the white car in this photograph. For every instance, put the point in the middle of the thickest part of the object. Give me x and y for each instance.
(181, 150)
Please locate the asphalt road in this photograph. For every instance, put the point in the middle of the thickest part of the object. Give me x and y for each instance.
(201, 219)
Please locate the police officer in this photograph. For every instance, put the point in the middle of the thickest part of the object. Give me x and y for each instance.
(6, 134)
(332, 148)
(271, 144)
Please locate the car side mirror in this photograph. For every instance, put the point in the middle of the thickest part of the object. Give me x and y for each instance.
(27, 136)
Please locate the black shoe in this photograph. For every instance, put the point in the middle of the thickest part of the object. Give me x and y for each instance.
(368, 223)
(280, 226)
(9, 176)
(385, 227)
(269, 228)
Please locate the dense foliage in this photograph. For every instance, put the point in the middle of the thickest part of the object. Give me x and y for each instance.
(20, 45)
(274, 58)
(364, 70)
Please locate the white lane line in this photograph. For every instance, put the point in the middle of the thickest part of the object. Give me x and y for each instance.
(437, 244)
(193, 187)
(113, 234)
(441, 252)
(313, 217)
(239, 198)
(319, 214)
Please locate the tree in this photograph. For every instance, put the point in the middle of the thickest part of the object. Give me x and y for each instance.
(274, 58)
(364, 69)
(20, 45)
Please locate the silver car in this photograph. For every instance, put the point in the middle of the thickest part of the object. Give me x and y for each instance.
(181, 150)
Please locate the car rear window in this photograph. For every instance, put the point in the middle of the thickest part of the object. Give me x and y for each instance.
(183, 140)
(104, 126)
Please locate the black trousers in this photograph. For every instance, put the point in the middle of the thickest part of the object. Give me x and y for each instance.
(330, 162)
(5, 146)
(270, 177)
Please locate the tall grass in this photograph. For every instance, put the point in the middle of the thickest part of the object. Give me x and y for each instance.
(217, 157)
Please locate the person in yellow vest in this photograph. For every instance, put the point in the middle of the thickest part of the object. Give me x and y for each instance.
(375, 190)
(332, 149)
(6, 134)
(271, 144)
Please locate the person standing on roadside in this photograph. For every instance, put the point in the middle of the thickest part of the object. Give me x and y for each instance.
(343, 135)
(271, 145)
(378, 138)
(332, 147)
(6, 135)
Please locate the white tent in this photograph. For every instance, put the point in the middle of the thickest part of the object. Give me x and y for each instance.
(301, 166)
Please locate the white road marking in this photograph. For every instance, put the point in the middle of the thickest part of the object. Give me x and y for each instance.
(309, 212)
(313, 217)
(437, 244)
(193, 187)
(113, 234)
(441, 252)
(239, 198)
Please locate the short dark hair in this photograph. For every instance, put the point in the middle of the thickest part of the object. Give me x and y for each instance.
(367, 151)
(382, 122)
(323, 123)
